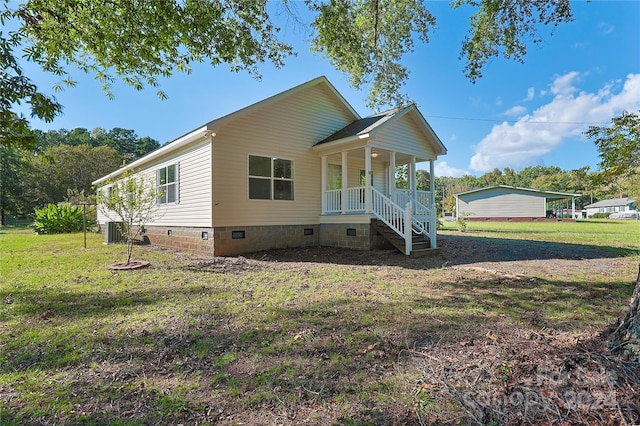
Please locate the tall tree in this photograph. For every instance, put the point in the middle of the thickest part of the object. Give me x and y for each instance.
(70, 168)
(124, 141)
(560, 181)
(619, 148)
(17, 88)
(137, 42)
(144, 146)
(128, 144)
(493, 178)
(528, 175)
(509, 176)
(11, 163)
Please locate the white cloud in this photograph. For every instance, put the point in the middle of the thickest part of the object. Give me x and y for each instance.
(563, 84)
(442, 169)
(522, 143)
(606, 28)
(530, 94)
(515, 111)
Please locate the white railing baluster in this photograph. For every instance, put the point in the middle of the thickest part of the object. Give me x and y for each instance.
(418, 216)
(394, 216)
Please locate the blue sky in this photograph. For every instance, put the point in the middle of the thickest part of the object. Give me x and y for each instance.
(516, 115)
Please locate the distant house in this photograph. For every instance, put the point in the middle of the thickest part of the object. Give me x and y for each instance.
(614, 205)
(301, 168)
(503, 202)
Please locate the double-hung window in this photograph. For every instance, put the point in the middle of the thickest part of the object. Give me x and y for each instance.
(167, 184)
(270, 178)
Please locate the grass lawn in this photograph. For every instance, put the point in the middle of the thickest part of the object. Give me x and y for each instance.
(370, 339)
(615, 234)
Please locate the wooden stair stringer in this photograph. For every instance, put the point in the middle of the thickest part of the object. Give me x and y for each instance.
(420, 244)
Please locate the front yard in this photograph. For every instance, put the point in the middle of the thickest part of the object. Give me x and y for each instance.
(504, 325)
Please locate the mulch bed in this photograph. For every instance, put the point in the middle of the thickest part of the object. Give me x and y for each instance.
(133, 264)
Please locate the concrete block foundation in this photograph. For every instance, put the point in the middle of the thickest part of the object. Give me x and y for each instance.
(235, 240)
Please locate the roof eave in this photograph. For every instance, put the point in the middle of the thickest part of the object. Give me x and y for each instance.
(341, 141)
(215, 125)
(539, 191)
(199, 133)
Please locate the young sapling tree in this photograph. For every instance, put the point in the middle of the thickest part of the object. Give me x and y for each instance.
(131, 201)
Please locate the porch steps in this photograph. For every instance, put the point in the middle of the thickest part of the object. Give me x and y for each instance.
(421, 246)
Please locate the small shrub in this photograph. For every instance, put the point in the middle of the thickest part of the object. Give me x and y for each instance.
(600, 215)
(59, 219)
(462, 224)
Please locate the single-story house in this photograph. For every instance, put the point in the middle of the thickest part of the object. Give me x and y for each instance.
(614, 205)
(503, 202)
(301, 168)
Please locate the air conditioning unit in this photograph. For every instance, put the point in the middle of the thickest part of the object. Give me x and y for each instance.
(112, 233)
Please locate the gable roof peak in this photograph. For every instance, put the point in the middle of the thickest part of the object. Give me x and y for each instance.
(212, 125)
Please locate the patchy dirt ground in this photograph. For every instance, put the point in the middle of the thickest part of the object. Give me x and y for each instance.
(510, 375)
(507, 256)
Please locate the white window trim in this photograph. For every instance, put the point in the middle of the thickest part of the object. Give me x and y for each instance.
(272, 178)
(177, 183)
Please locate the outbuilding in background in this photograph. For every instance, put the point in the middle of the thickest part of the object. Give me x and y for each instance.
(511, 203)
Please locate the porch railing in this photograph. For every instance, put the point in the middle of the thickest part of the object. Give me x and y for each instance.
(396, 213)
(354, 198)
(389, 212)
(421, 218)
(356, 203)
(402, 196)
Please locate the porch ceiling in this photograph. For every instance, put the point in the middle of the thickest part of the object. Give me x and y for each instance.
(377, 154)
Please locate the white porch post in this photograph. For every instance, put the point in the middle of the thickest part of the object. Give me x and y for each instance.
(573, 207)
(433, 218)
(367, 174)
(412, 176)
(323, 182)
(408, 228)
(392, 174)
(343, 193)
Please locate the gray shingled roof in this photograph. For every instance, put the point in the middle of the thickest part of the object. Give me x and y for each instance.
(614, 202)
(362, 126)
(555, 195)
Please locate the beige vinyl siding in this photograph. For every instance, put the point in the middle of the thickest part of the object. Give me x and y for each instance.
(404, 136)
(101, 217)
(285, 129)
(353, 173)
(194, 206)
(500, 202)
(194, 180)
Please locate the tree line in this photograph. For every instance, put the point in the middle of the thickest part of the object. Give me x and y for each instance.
(549, 178)
(62, 162)
(582, 181)
(618, 175)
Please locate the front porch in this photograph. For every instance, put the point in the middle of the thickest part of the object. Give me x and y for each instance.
(405, 217)
(359, 165)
